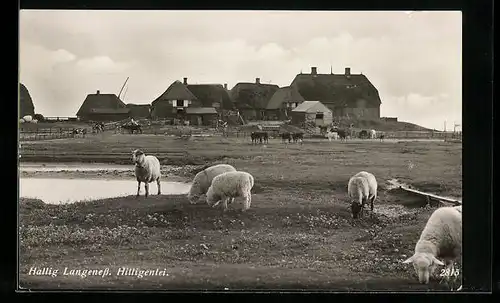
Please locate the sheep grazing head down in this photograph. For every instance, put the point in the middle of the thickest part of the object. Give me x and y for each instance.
(355, 209)
(138, 157)
(424, 265)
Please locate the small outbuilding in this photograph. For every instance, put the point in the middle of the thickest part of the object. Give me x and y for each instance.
(202, 116)
(311, 112)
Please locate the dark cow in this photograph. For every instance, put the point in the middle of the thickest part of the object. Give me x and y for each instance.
(132, 127)
(342, 134)
(286, 137)
(298, 137)
(382, 137)
(260, 136)
(363, 134)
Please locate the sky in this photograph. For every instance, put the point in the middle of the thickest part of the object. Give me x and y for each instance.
(414, 59)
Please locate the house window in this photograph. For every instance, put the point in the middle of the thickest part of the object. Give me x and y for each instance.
(180, 103)
(319, 116)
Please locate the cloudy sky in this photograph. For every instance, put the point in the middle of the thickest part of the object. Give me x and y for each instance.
(414, 59)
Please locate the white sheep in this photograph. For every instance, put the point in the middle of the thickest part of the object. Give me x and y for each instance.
(441, 238)
(332, 135)
(147, 170)
(203, 180)
(362, 187)
(228, 186)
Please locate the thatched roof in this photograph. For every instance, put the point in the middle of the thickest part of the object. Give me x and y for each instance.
(100, 101)
(311, 107)
(337, 89)
(139, 110)
(287, 128)
(200, 111)
(208, 94)
(283, 95)
(256, 95)
(176, 91)
(26, 106)
(109, 110)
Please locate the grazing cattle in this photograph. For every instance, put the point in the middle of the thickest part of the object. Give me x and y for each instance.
(285, 137)
(260, 136)
(79, 131)
(382, 137)
(373, 134)
(363, 134)
(132, 127)
(298, 137)
(342, 135)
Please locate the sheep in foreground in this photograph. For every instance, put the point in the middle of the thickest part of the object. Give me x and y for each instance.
(147, 170)
(362, 187)
(228, 186)
(203, 180)
(441, 238)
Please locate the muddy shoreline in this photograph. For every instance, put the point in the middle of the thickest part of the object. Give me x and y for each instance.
(101, 171)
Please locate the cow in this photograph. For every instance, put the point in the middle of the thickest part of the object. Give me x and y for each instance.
(261, 136)
(363, 134)
(285, 137)
(298, 137)
(342, 134)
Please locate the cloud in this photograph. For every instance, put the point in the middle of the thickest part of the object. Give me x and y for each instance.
(101, 65)
(62, 56)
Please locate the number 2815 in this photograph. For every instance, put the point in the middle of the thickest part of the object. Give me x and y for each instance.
(447, 272)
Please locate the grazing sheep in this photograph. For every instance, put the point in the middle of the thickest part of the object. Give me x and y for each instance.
(441, 238)
(147, 170)
(228, 186)
(203, 180)
(357, 190)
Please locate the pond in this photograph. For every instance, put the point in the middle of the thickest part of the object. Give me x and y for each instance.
(58, 191)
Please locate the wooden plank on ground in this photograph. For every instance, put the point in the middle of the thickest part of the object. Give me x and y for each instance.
(421, 193)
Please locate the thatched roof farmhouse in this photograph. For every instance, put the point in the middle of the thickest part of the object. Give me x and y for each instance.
(26, 106)
(252, 98)
(102, 107)
(138, 111)
(282, 102)
(345, 94)
(180, 96)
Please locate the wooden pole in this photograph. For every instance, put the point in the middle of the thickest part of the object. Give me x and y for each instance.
(428, 196)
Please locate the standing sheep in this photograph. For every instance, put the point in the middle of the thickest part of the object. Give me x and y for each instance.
(203, 180)
(441, 238)
(228, 186)
(361, 191)
(147, 170)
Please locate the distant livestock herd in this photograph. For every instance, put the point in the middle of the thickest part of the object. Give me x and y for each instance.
(222, 183)
(331, 134)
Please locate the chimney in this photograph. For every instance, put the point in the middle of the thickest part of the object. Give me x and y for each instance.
(98, 92)
(225, 86)
(347, 71)
(314, 71)
(185, 81)
(257, 80)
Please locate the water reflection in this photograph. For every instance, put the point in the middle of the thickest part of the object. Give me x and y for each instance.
(57, 191)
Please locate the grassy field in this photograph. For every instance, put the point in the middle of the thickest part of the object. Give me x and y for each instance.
(298, 232)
